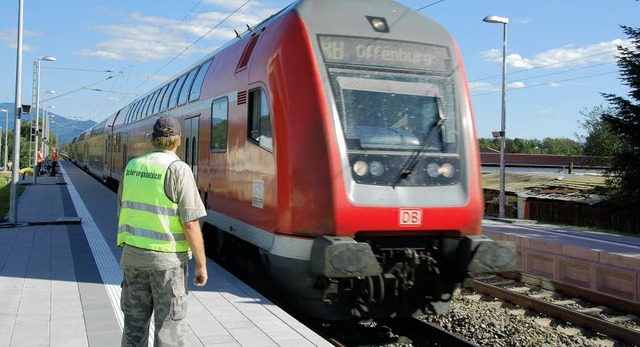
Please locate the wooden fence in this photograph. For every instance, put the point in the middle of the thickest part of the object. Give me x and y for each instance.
(583, 215)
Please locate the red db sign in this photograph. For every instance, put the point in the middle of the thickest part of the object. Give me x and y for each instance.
(410, 217)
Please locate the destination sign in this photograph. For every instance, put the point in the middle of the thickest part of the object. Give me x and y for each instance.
(383, 53)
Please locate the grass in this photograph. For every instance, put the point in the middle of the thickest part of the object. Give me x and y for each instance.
(5, 193)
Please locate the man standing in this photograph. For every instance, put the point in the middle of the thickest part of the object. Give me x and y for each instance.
(40, 160)
(54, 162)
(158, 227)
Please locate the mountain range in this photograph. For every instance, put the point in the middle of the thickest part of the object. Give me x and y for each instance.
(64, 129)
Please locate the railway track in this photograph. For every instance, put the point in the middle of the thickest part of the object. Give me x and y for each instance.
(413, 332)
(603, 314)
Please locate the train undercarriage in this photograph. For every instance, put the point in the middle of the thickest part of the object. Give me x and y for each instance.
(370, 277)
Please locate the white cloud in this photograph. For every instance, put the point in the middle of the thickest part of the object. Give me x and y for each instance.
(545, 111)
(10, 39)
(569, 55)
(515, 85)
(483, 87)
(141, 37)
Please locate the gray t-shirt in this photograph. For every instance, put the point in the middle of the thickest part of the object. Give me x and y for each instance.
(180, 186)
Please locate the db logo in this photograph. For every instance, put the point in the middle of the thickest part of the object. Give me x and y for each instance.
(410, 217)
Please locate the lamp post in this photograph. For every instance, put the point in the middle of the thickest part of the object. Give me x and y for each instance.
(6, 138)
(504, 21)
(46, 131)
(13, 197)
(36, 103)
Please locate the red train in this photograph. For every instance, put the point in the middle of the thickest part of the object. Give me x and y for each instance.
(334, 144)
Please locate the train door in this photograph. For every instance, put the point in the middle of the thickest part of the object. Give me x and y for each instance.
(106, 155)
(191, 144)
(125, 139)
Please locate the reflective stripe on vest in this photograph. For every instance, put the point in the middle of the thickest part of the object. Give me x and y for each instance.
(148, 218)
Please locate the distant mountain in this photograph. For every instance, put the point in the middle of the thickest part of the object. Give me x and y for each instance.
(64, 129)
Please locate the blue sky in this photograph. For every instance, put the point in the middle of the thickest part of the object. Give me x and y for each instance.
(560, 54)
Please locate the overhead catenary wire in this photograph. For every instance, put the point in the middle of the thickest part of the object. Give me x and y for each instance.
(193, 43)
(188, 47)
(551, 83)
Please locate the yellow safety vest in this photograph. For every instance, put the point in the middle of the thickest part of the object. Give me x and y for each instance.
(148, 218)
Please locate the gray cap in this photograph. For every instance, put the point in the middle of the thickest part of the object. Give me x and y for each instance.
(166, 126)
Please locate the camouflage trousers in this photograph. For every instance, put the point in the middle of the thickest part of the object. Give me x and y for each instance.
(161, 292)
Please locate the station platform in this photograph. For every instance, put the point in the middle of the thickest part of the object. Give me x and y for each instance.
(60, 278)
(601, 262)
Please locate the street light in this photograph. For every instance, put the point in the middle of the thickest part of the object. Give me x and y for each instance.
(46, 131)
(504, 21)
(6, 138)
(36, 103)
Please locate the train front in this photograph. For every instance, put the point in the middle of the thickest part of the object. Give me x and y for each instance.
(407, 197)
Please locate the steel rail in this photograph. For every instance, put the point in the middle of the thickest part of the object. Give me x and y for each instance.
(619, 304)
(553, 310)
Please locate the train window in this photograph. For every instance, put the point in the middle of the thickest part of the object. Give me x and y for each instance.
(117, 143)
(154, 98)
(131, 112)
(259, 122)
(141, 108)
(165, 100)
(396, 114)
(248, 50)
(173, 100)
(156, 107)
(135, 111)
(126, 117)
(197, 82)
(219, 122)
(184, 92)
(145, 107)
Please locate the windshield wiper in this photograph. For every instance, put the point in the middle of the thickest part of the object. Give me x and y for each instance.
(410, 165)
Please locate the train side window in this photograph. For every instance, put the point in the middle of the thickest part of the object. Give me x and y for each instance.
(187, 149)
(141, 108)
(184, 92)
(259, 120)
(156, 107)
(165, 100)
(173, 100)
(145, 108)
(197, 82)
(131, 110)
(219, 125)
(126, 117)
(134, 116)
(154, 98)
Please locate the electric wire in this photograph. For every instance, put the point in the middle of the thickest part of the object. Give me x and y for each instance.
(550, 83)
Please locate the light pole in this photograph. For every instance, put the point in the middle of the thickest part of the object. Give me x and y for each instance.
(504, 21)
(46, 132)
(36, 103)
(13, 197)
(6, 138)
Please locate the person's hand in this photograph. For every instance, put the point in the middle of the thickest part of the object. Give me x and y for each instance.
(200, 276)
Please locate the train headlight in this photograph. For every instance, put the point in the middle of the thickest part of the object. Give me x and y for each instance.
(378, 24)
(447, 170)
(360, 168)
(433, 170)
(376, 168)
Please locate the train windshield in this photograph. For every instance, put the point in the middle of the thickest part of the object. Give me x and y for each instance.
(384, 113)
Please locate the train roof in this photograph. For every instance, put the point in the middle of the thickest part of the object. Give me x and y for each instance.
(402, 22)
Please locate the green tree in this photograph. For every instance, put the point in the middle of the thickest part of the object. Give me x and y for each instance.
(561, 146)
(625, 121)
(600, 140)
(490, 143)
